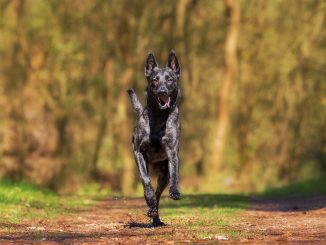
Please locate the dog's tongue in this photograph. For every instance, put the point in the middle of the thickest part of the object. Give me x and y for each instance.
(166, 100)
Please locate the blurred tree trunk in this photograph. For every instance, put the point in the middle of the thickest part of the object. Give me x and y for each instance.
(103, 124)
(181, 38)
(230, 66)
(19, 77)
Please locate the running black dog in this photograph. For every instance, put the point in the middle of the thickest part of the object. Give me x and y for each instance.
(157, 132)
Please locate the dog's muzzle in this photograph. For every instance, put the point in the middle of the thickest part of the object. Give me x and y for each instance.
(164, 101)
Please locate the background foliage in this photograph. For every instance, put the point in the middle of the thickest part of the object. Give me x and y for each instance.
(65, 118)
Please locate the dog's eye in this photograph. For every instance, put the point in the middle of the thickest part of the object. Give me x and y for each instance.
(169, 79)
(155, 79)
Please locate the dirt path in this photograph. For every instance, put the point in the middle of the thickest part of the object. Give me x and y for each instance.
(290, 220)
(293, 220)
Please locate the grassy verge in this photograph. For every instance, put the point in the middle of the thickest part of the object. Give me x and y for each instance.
(20, 201)
(310, 187)
(206, 216)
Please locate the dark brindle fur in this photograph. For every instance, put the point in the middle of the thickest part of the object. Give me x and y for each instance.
(157, 132)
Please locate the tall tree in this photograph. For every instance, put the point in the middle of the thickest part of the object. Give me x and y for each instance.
(229, 76)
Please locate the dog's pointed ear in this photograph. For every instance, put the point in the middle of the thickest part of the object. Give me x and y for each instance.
(173, 63)
(150, 64)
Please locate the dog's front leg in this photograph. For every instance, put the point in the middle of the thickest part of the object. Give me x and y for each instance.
(136, 105)
(173, 173)
(148, 189)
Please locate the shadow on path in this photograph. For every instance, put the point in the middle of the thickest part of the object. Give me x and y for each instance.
(64, 236)
(138, 225)
(298, 196)
(288, 204)
(285, 204)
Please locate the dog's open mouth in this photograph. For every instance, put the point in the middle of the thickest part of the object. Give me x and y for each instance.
(164, 101)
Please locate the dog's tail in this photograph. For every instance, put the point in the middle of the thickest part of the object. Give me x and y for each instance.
(136, 105)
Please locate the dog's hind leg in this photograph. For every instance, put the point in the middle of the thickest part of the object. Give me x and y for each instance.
(162, 183)
(162, 180)
(136, 105)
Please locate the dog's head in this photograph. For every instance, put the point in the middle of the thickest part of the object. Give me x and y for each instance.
(163, 82)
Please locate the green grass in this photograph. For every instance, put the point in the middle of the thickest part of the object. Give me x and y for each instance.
(310, 187)
(206, 215)
(19, 201)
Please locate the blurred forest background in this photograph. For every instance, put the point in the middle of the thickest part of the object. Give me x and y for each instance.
(253, 90)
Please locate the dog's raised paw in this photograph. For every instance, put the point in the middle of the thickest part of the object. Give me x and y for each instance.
(175, 195)
(130, 91)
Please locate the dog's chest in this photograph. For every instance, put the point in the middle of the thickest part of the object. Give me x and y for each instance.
(155, 153)
(152, 131)
(155, 150)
